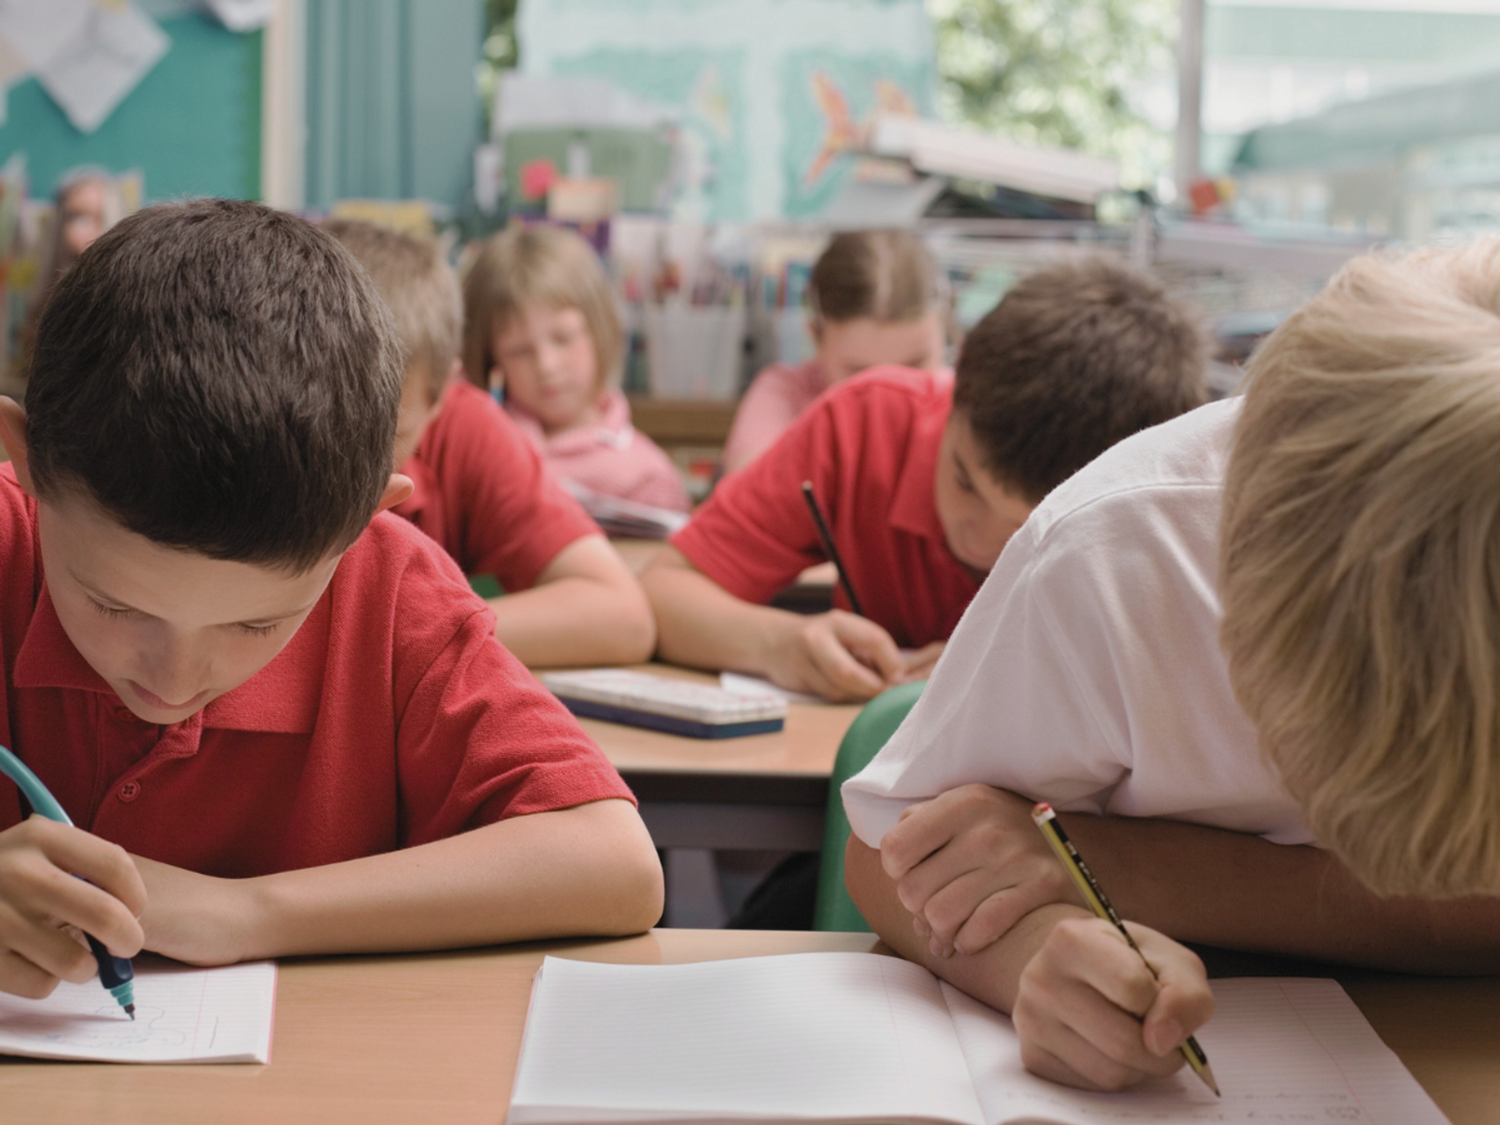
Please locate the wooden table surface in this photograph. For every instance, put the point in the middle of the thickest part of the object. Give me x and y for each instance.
(434, 1038)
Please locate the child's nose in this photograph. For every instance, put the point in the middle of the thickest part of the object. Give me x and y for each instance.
(176, 672)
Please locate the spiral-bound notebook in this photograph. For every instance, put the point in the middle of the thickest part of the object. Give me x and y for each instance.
(845, 1037)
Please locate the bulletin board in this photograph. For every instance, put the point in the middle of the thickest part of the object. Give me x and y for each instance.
(192, 126)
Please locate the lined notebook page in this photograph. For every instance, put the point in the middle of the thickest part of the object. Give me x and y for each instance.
(181, 1015)
(1283, 1050)
(820, 1036)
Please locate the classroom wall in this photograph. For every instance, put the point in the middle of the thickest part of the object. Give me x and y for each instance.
(192, 126)
(392, 107)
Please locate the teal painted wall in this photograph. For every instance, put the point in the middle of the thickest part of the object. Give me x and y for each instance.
(392, 108)
(192, 125)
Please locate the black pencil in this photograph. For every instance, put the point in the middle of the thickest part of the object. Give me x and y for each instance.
(833, 552)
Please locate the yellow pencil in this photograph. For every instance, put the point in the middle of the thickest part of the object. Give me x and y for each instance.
(1099, 903)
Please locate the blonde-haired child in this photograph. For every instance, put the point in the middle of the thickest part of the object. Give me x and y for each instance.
(482, 491)
(541, 321)
(876, 297)
(1341, 705)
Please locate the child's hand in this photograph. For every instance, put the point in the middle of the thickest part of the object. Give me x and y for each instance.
(969, 865)
(197, 919)
(918, 664)
(1089, 1013)
(39, 896)
(837, 655)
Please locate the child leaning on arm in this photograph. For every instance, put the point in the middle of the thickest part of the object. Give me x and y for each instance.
(481, 490)
(278, 715)
(540, 321)
(876, 298)
(1255, 651)
(923, 480)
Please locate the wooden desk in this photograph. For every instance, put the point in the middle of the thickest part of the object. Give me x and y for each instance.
(674, 422)
(435, 1038)
(766, 791)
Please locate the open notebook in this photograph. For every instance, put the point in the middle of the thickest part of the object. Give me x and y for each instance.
(845, 1037)
(182, 1015)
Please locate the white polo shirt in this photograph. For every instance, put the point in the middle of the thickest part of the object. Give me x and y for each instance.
(1087, 671)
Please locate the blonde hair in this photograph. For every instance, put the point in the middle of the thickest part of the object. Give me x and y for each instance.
(419, 287)
(1360, 567)
(547, 266)
(886, 275)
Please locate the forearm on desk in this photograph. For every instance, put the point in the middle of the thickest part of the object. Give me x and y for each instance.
(588, 870)
(702, 625)
(992, 975)
(1238, 891)
(585, 608)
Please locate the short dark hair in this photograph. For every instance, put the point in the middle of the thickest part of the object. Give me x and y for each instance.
(221, 377)
(1076, 357)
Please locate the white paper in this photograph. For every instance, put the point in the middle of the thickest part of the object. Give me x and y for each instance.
(40, 29)
(1282, 1050)
(93, 72)
(182, 1015)
(736, 683)
(856, 1036)
(241, 15)
(815, 1035)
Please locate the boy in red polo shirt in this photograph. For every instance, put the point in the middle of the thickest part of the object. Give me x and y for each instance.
(922, 483)
(280, 719)
(482, 491)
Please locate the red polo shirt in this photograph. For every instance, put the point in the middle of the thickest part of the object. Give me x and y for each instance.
(392, 718)
(870, 447)
(485, 494)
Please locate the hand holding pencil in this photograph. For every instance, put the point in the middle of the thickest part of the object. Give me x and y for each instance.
(1095, 1011)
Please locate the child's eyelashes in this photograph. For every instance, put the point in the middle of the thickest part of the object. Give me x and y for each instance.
(116, 612)
(258, 630)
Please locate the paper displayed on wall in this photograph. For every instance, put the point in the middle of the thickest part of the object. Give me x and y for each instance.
(105, 61)
(766, 106)
(87, 54)
(39, 29)
(241, 15)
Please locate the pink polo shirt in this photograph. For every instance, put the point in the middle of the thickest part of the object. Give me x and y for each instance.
(870, 447)
(612, 457)
(392, 718)
(775, 399)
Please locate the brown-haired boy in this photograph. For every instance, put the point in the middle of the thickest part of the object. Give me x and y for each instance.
(482, 491)
(922, 482)
(279, 717)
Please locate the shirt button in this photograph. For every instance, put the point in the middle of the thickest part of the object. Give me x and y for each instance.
(125, 714)
(129, 791)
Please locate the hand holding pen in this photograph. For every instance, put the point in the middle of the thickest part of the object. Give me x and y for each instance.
(846, 656)
(38, 896)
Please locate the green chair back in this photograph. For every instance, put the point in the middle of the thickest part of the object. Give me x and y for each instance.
(870, 731)
(485, 585)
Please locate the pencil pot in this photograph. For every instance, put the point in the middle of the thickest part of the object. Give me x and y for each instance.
(695, 352)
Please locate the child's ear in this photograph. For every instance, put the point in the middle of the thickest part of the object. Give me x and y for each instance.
(397, 489)
(13, 437)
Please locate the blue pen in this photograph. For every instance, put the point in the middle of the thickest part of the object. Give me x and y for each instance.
(115, 973)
